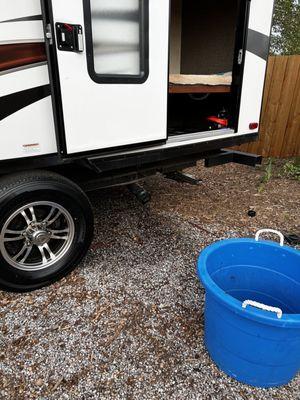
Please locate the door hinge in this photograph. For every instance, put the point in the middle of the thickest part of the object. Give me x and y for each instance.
(240, 56)
(48, 32)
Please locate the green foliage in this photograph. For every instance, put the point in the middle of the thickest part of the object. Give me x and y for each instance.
(286, 28)
(277, 170)
(291, 169)
(267, 175)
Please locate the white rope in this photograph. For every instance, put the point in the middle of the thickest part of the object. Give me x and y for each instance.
(264, 307)
(270, 231)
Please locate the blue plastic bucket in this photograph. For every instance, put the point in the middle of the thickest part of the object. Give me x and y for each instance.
(252, 309)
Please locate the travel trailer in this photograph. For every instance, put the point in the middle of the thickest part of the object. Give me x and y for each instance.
(99, 93)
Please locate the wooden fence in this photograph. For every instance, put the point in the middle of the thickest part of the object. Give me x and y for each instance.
(280, 124)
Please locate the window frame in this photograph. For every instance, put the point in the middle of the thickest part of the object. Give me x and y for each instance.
(144, 49)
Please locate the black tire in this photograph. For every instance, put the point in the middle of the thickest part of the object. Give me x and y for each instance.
(18, 190)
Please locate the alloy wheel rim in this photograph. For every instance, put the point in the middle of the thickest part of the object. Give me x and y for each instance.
(37, 236)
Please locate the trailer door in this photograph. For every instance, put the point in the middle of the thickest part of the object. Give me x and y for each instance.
(256, 56)
(112, 62)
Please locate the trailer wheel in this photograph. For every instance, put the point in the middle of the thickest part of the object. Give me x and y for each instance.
(46, 227)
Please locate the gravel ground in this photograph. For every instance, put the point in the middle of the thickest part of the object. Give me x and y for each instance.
(128, 323)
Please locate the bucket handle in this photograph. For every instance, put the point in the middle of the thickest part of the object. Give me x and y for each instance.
(270, 231)
(264, 307)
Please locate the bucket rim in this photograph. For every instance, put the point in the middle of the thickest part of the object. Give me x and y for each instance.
(264, 317)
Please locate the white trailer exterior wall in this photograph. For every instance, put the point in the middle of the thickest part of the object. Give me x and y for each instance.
(29, 131)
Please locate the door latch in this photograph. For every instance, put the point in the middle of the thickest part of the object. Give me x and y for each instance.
(48, 32)
(69, 37)
(240, 56)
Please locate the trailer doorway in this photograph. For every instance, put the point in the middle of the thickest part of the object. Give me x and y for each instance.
(206, 40)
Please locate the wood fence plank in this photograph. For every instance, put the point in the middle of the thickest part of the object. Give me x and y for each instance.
(291, 146)
(285, 104)
(271, 113)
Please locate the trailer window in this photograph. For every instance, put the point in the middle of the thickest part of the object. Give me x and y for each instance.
(117, 40)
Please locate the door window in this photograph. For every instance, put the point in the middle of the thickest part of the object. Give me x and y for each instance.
(117, 40)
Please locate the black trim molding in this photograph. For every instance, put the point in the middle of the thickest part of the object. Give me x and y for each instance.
(144, 47)
(258, 44)
(55, 89)
(16, 101)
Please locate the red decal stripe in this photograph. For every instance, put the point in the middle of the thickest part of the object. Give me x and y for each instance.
(19, 55)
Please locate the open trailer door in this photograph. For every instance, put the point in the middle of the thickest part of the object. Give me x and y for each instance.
(110, 62)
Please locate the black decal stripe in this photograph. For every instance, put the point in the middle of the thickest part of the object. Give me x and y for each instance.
(258, 44)
(16, 101)
(23, 19)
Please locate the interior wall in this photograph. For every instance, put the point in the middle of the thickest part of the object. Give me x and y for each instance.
(175, 37)
(208, 36)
